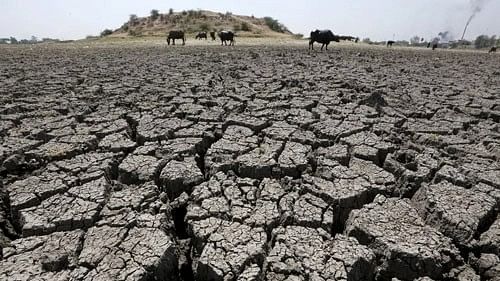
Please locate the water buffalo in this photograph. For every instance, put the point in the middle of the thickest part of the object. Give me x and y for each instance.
(322, 36)
(176, 34)
(201, 35)
(434, 46)
(493, 50)
(390, 43)
(348, 38)
(212, 35)
(226, 36)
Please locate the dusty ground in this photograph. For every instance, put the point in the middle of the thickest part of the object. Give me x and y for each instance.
(148, 162)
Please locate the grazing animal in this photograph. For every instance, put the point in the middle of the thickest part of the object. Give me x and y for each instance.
(226, 36)
(176, 34)
(212, 34)
(201, 35)
(322, 36)
(429, 45)
(347, 38)
(493, 50)
(434, 46)
(390, 43)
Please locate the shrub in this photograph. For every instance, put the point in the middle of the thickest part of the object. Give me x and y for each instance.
(205, 26)
(133, 19)
(484, 41)
(154, 14)
(134, 33)
(245, 26)
(170, 11)
(106, 32)
(275, 25)
(236, 27)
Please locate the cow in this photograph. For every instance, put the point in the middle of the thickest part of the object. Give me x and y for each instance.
(212, 35)
(322, 36)
(201, 35)
(226, 36)
(493, 50)
(176, 34)
(390, 43)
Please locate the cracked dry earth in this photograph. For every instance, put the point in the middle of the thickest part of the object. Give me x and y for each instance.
(248, 163)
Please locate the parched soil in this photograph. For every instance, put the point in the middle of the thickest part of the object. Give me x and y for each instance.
(148, 162)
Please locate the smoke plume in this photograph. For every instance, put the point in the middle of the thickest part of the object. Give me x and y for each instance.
(445, 36)
(477, 6)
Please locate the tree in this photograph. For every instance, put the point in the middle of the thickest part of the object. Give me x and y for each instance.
(170, 11)
(275, 25)
(154, 14)
(415, 40)
(106, 32)
(13, 40)
(133, 19)
(367, 41)
(484, 41)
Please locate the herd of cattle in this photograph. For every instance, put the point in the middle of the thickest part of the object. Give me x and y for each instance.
(323, 37)
(224, 36)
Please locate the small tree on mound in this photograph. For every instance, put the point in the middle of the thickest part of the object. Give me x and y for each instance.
(133, 19)
(275, 25)
(154, 14)
(106, 32)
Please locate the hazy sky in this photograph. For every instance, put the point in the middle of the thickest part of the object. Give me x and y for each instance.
(377, 19)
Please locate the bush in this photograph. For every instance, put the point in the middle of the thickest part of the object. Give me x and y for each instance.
(236, 27)
(134, 33)
(245, 26)
(133, 19)
(484, 41)
(106, 32)
(298, 36)
(275, 25)
(154, 14)
(184, 13)
(170, 11)
(205, 26)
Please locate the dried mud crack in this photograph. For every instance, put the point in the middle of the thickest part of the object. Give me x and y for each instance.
(248, 163)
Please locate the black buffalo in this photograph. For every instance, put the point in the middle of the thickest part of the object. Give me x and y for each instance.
(226, 36)
(434, 46)
(493, 50)
(348, 38)
(322, 36)
(390, 43)
(176, 34)
(201, 35)
(212, 35)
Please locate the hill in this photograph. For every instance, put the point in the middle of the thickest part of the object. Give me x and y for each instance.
(193, 21)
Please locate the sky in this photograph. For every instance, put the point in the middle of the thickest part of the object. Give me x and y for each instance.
(376, 19)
